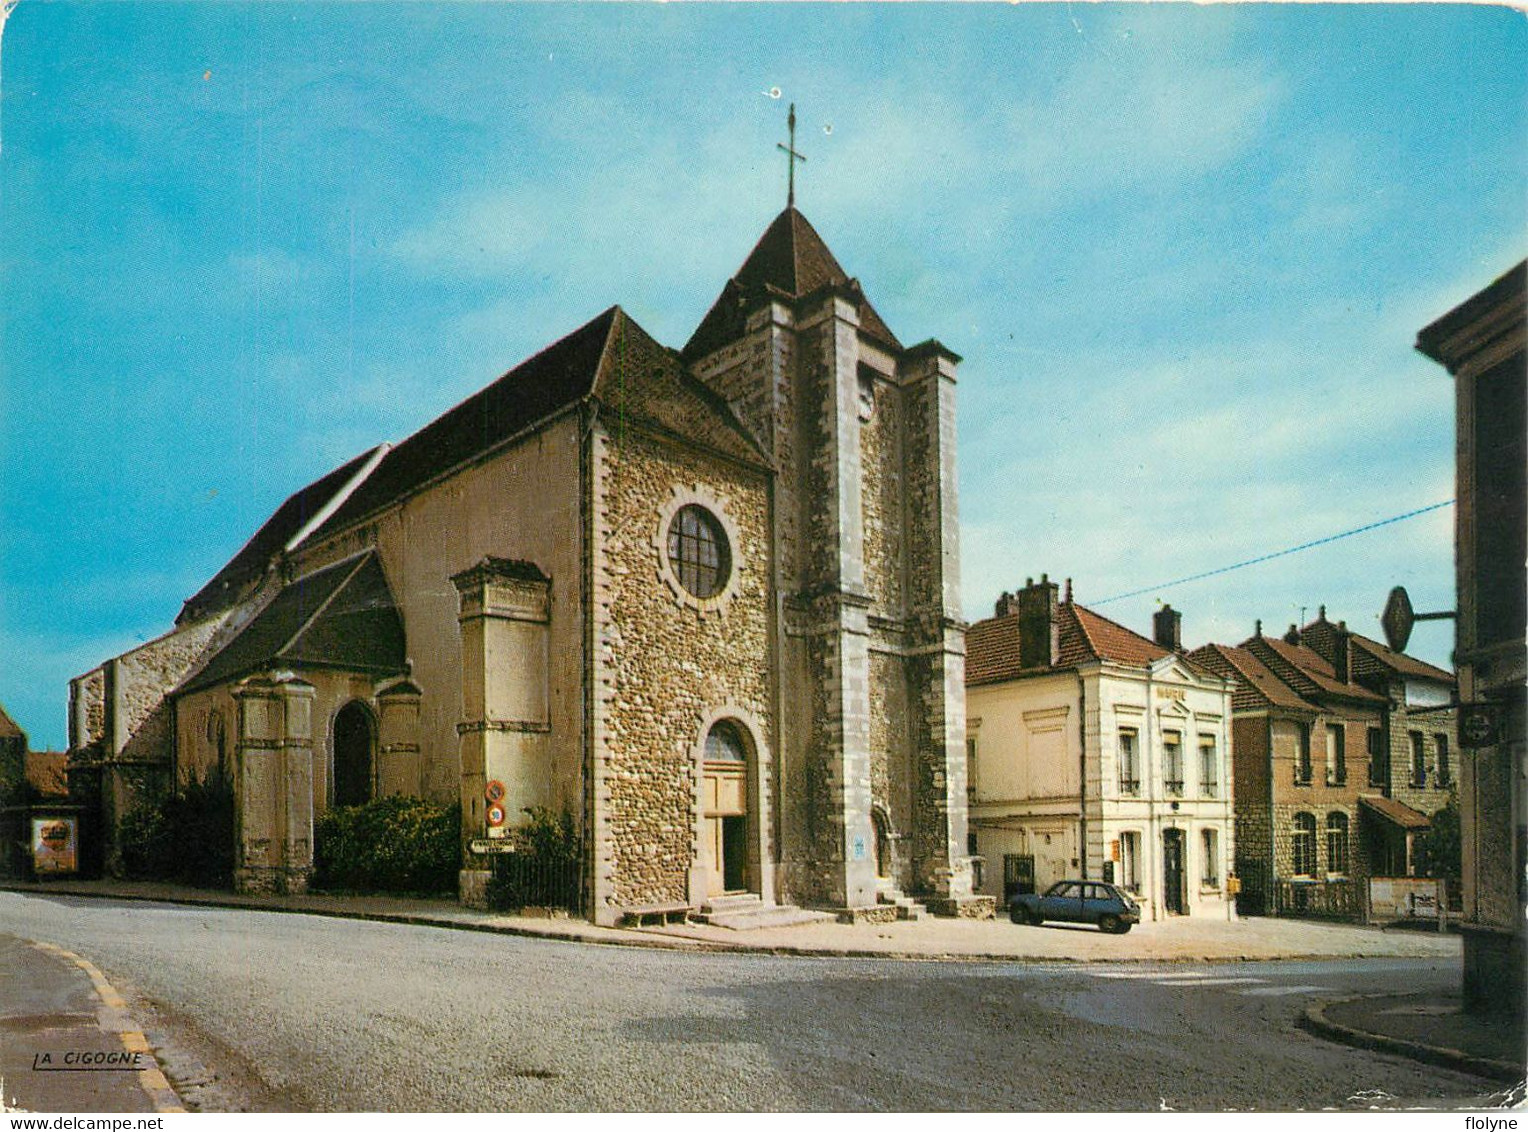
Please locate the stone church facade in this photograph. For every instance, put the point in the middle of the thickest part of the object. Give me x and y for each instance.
(704, 601)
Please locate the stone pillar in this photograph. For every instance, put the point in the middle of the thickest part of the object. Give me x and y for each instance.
(398, 739)
(297, 783)
(506, 730)
(258, 756)
(274, 784)
(941, 861)
(831, 568)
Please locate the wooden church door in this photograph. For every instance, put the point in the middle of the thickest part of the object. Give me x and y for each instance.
(724, 811)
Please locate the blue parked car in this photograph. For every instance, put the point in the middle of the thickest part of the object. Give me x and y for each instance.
(1078, 902)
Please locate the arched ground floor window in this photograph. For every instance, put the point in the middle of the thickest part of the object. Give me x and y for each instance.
(353, 749)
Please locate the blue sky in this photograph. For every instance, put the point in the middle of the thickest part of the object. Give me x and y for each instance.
(1184, 251)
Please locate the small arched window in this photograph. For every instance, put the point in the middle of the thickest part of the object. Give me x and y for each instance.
(724, 743)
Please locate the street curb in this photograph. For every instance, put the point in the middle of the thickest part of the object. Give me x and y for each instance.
(152, 1081)
(681, 943)
(1315, 1020)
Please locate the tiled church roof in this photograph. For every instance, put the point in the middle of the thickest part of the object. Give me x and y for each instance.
(610, 360)
(790, 260)
(228, 586)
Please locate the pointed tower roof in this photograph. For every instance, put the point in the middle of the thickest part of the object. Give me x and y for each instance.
(789, 261)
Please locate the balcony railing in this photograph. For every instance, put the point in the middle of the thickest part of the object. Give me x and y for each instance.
(1130, 786)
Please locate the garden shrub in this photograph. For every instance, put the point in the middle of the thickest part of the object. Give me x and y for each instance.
(187, 836)
(545, 871)
(394, 844)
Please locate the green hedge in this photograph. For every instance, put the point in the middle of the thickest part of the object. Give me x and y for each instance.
(394, 844)
(187, 836)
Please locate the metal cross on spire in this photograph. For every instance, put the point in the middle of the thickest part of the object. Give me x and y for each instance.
(791, 157)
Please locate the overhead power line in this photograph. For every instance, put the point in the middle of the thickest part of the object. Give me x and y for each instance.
(1277, 553)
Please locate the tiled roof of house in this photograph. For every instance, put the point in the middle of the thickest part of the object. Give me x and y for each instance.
(46, 772)
(1098, 638)
(8, 728)
(993, 645)
(992, 650)
(1306, 671)
(1369, 655)
(1401, 663)
(790, 260)
(341, 617)
(1256, 684)
(1397, 812)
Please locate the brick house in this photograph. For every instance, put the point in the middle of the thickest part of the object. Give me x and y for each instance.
(1098, 753)
(703, 601)
(1342, 752)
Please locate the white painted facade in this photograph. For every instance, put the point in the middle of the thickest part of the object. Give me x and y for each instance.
(1051, 777)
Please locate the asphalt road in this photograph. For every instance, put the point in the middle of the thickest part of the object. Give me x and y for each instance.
(307, 1013)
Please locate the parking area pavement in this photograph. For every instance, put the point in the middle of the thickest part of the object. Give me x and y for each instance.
(1178, 939)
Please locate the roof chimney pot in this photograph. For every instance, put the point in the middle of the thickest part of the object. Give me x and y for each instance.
(1167, 628)
(1039, 634)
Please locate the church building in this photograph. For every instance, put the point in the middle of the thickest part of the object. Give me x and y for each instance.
(704, 601)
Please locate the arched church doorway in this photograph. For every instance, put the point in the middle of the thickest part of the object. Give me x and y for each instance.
(354, 741)
(724, 810)
(880, 828)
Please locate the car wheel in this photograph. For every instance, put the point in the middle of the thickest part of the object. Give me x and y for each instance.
(1110, 924)
(1018, 915)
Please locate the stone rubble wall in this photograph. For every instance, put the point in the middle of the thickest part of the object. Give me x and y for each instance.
(670, 665)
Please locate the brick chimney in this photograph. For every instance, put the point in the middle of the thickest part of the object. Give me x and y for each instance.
(1342, 652)
(1167, 628)
(1293, 636)
(1007, 605)
(1038, 632)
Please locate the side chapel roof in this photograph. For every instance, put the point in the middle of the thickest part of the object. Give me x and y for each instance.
(228, 586)
(342, 617)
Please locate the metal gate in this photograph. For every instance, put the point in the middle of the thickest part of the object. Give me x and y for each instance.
(1253, 899)
(1018, 874)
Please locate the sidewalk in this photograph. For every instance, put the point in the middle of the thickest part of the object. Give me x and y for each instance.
(66, 1042)
(1430, 1028)
(1177, 940)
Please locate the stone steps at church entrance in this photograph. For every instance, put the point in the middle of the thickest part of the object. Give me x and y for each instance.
(747, 912)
